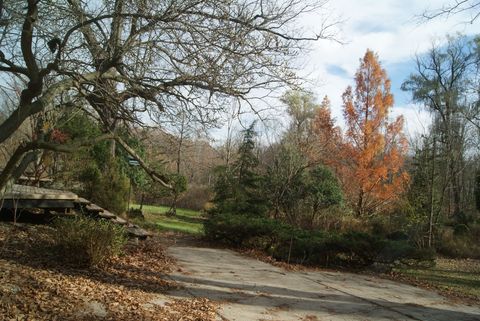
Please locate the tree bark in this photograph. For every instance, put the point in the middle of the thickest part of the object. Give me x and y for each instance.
(432, 181)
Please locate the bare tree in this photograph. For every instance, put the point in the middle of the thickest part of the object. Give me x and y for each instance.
(230, 143)
(472, 7)
(182, 129)
(442, 82)
(119, 59)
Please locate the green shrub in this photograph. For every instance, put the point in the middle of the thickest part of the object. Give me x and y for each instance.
(460, 230)
(283, 242)
(135, 213)
(302, 246)
(402, 252)
(106, 187)
(358, 248)
(398, 236)
(86, 242)
(339, 219)
(236, 230)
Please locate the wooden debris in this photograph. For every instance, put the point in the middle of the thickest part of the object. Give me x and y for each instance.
(34, 197)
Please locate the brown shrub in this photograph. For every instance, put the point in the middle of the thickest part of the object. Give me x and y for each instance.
(339, 220)
(86, 242)
(459, 246)
(194, 198)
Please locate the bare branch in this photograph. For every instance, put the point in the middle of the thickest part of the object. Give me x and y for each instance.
(454, 8)
(13, 122)
(159, 178)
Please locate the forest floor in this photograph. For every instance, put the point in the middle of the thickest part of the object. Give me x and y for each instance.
(35, 287)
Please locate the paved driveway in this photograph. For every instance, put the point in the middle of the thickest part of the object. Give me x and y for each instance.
(253, 290)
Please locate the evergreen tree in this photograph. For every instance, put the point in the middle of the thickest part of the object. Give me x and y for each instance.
(238, 188)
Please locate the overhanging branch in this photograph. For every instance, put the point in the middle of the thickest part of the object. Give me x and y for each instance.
(20, 153)
(12, 123)
(159, 178)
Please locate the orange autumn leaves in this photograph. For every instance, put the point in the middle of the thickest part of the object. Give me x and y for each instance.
(369, 156)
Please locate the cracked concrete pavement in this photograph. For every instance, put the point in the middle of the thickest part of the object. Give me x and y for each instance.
(249, 289)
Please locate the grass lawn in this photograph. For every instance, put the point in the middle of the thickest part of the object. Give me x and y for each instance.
(186, 221)
(459, 278)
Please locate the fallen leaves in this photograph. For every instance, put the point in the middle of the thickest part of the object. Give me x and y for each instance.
(34, 287)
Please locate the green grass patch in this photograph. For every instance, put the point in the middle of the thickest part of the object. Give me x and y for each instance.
(456, 277)
(185, 221)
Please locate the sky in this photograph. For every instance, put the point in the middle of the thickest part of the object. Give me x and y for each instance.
(393, 30)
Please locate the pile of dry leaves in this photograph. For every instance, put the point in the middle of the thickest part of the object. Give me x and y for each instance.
(33, 286)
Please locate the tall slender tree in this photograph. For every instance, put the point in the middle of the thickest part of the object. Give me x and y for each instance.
(445, 83)
(237, 190)
(328, 137)
(373, 149)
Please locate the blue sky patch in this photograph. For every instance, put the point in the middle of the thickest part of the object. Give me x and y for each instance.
(337, 71)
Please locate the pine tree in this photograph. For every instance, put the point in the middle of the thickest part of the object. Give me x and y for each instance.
(238, 188)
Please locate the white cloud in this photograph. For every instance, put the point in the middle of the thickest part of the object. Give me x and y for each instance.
(417, 119)
(389, 27)
(392, 29)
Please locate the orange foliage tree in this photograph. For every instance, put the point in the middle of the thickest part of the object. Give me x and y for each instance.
(369, 157)
(328, 136)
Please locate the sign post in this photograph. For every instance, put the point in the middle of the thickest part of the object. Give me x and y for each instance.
(132, 162)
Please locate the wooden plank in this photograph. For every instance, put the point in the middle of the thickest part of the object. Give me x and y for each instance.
(136, 231)
(17, 192)
(37, 203)
(82, 201)
(119, 220)
(107, 214)
(94, 208)
(139, 233)
(35, 179)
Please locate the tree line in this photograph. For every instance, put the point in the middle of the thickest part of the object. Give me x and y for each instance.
(367, 176)
(79, 79)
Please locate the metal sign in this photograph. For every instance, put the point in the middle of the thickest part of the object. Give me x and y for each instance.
(133, 162)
